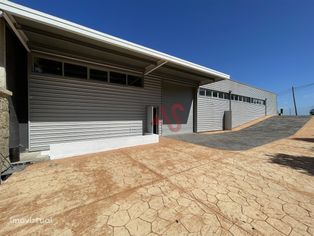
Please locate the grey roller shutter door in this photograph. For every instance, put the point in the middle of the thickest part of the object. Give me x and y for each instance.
(177, 109)
(210, 113)
(67, 110)
(244, 112)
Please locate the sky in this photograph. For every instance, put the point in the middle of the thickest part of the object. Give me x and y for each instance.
(268, 44)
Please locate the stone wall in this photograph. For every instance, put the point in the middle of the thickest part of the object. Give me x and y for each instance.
(4, 128)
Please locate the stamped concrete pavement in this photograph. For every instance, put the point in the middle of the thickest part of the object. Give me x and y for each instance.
(170, 188)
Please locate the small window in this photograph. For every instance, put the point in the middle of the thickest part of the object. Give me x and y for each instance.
(264, 102)
(226, 96)
(202, 92)
(47, 66)
(221, 95)
(75, 71)
(240, 98)
(208, 93)
(215, 94)
(135, 81)
(117, 78)
(236, 97)
(98, 75)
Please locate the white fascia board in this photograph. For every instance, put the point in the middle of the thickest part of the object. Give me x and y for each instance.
(43, 18)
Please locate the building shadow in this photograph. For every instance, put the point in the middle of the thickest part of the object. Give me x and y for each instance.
(303, 163)
(310, 140)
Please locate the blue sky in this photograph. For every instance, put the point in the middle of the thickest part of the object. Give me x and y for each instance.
(265, 43)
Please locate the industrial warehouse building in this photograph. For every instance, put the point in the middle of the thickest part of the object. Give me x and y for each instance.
(71, 83)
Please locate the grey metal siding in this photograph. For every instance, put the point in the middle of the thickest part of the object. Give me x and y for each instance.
(210, 113)
(244, 112)
(64, 109)
(210, 110)
(177, 109)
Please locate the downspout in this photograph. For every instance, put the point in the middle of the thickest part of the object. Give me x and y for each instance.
(230, 108)
(265, 106)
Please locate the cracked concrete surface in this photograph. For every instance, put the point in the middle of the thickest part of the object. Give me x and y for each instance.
(170, 188)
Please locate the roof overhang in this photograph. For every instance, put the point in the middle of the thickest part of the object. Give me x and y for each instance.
(38, 30)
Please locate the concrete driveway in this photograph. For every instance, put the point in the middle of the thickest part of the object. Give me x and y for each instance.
(170, 188)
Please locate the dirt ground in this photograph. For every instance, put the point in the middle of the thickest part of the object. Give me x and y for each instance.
(170, 188)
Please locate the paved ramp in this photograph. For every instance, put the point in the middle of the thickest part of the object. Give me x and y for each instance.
(262, 133)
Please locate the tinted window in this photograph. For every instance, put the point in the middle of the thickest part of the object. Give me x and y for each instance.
(117, 78)
(135, 81)
(215, 94)
(98, 75)
(202, 92)
(227, 96)
(208, 93)
(221, 95)
(47, 66)
(75, 71)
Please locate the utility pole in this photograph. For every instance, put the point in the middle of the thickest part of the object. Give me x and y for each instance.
(295, 105)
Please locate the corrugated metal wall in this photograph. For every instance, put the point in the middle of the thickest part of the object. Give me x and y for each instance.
(177, 109)
(65, 110)
(210, 110)
(244, 112)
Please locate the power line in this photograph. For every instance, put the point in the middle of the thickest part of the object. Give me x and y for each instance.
(286, 91)
(304, 86)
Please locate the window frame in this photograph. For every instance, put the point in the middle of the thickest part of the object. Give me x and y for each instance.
(75, 77)
(46, 58)
(209, 93)
(124, 84)
(226, 96)
(202, 90)
(87, 64)
(103, 70)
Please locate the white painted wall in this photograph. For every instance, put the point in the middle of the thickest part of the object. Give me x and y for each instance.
(62, 150)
